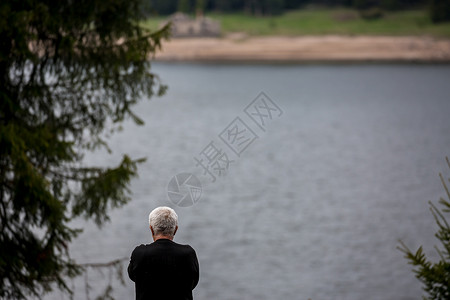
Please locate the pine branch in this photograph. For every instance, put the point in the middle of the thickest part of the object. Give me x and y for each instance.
(434, 276)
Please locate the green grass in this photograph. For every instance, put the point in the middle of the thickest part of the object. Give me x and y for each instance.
(327, 21)
(153, 23)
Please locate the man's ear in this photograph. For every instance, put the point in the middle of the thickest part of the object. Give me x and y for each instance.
(176, 228)
(151, 228)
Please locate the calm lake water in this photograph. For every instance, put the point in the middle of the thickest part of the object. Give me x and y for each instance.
(315, 206)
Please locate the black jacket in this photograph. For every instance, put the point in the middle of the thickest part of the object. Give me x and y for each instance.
(164, 270)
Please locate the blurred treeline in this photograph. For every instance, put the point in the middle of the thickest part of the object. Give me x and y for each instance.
(439, 9)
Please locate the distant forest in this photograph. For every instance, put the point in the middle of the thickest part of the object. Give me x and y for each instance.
(439, 9)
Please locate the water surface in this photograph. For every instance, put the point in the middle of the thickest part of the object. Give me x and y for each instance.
(315, 207)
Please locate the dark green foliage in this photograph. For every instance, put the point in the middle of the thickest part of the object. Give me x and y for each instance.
(440, 10)
(292, 4)
(368, 9)
(373, 13)
(435, 276)
(389, 4)
(184, 6)
(272, 7)
(200, 6)
(163, 7)
(365, 4)
(227, 5)
(70, 70)
(264, 7)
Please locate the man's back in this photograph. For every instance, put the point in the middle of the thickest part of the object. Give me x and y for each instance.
(164, 270)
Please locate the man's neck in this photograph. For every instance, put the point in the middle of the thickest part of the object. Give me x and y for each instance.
(162, 237)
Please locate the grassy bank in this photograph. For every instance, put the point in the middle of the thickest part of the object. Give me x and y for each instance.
(328, 21)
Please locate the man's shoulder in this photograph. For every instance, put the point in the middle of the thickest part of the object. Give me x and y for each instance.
(181, 245)
(172, 244)
(141, 248)
(186, 248)
(163, 244)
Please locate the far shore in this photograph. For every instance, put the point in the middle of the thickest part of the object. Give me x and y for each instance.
(303, 49)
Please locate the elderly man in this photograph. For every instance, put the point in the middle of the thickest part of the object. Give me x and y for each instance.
(164, 269)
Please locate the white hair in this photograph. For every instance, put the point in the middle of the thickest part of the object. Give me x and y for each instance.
(163, 220)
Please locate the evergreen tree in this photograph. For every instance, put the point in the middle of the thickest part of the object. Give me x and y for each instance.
(70, 70)
(184, 6)
(440, 10)
(435, 276)
(164, 7)
(273, 7)
(200, 7)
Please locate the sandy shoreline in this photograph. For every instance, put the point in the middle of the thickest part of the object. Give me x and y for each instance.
(238, 48)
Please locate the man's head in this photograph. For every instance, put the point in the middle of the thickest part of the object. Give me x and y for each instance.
(163, 222)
